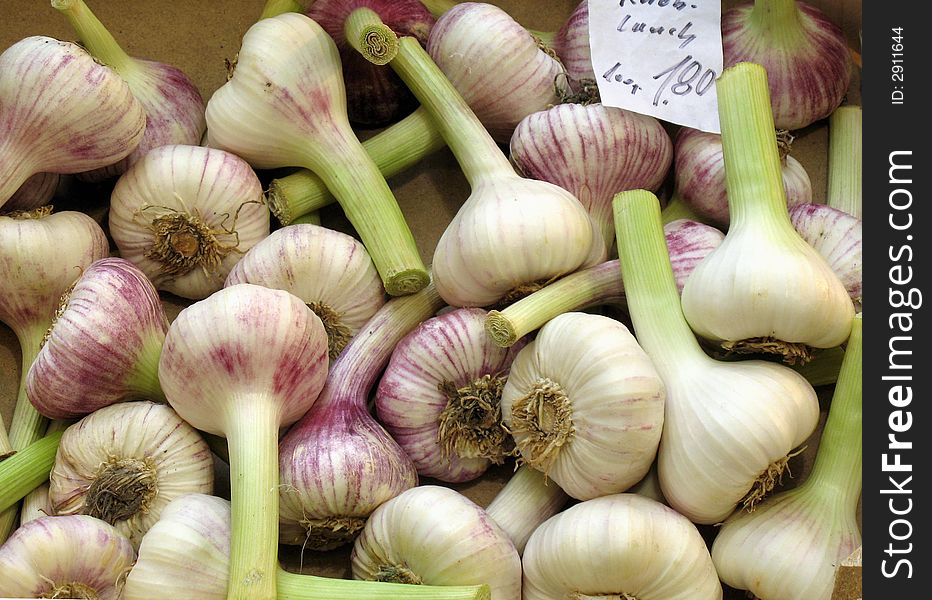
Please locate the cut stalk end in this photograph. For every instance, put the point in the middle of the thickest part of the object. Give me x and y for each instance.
(500, 328)
(370, 37)
(407, 282)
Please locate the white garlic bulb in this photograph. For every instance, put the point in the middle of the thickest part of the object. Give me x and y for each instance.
(185, 215)
(621, 546)
(585, 405)
(124, 463)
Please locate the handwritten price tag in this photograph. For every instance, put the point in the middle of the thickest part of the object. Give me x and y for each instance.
(659, 57)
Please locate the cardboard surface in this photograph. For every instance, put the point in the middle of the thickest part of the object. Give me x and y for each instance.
(198, 35)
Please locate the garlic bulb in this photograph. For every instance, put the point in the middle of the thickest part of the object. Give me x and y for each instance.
(594, 152)
(440, 396)
(288, 79)
(36, 191)
(187, 552)
(374, 96)
(805, 55)
(185, 215)
(585, 405)
(791, 545)
(837, 237)
(63, 112)
(103, 346)
(243, 363)
(435, 536)
(700, 176)
(688, 243)
(511, 233)
(495, 64)
(764, 289)
(65, 557)
(572, 46)
(728, 426)
(337, 463)
(844, 160)
(329, 270)
(174, 108)
(124, 463)
(620, 546)
(41, 255)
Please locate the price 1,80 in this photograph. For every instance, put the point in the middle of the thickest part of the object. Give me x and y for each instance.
(681, 79)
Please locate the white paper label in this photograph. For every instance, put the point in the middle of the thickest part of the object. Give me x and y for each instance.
(659, 57)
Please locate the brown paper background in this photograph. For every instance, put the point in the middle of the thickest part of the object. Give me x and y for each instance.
(198, 35)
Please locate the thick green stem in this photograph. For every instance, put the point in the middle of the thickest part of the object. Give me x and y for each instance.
(311, 218)
(676, 209)
(753, 173)
(273, 8)
(526, 501)
(27, 469)
(27, 425)
(94, 36)
(369, 36)
(373, 211)
(844, 160)
(477, 153)
(394, 150)
(650, 289)
(600, 284)
(144, 380)
(292, 586)
(837, 469)
(253, 445)
(824, 367)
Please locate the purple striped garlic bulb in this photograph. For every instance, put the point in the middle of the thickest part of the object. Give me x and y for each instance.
(440, 396)
(499, 68)
(124, 463)
(185, 215)
(688, 243)
(174, 108)
(65, 557)
(805, 55)
(337, 463)
(593, 152)
(330, 271)
(572, 46)
(700, 176)
(62, 112)
(103, 346)
(835, 235)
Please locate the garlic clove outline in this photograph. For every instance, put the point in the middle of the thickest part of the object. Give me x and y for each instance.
(103, 346)
(185, 215)
(124, 463)
(329, 270)
(440, 396)
(585, 405)
(65, 112)
(65, 557)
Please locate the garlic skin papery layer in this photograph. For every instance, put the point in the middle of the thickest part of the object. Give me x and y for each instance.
(62, 111)
(65, 557)
(585, 405)
(103, 346)
(185, 215)
(619, 547)
(495, 65)
(440, 396)
(124, 463)
(572, 46)
(330, 271)
(436, 536)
